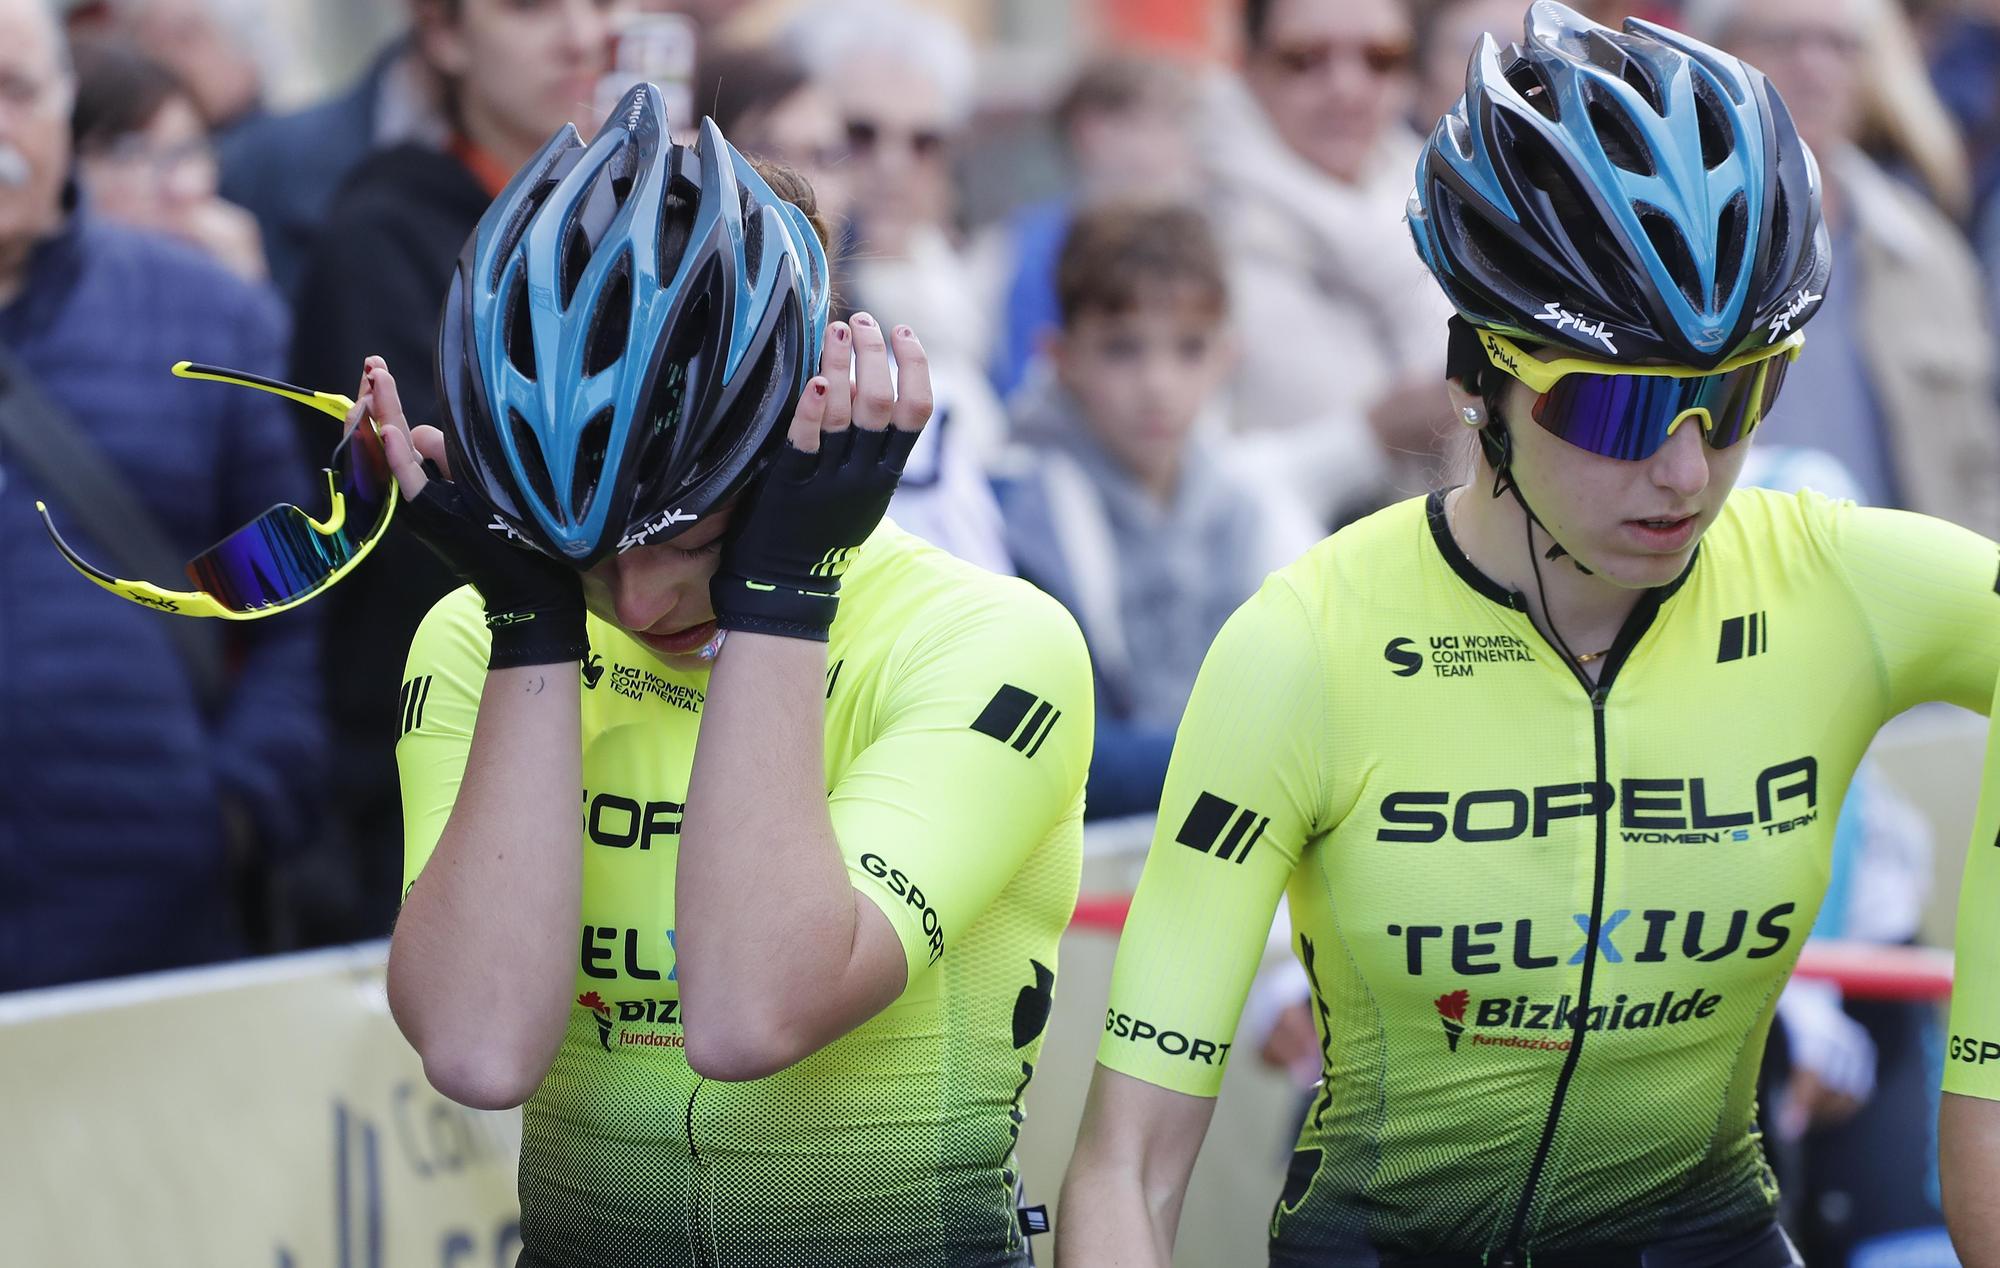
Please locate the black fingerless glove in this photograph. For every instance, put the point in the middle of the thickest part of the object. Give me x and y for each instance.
(534, 605)
(800, 528)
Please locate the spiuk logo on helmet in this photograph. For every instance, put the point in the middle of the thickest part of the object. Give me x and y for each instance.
(1659, 185)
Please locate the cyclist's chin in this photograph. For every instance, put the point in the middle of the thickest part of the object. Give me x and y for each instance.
(683, 648)
(1644, 559)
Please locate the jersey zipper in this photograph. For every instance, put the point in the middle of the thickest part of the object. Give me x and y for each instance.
(1515, 1253)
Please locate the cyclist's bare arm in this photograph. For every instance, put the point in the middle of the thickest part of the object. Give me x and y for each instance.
(1121, 1201)
(1969, 1171)
(485, 949)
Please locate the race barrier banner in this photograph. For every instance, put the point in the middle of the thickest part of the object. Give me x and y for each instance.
(264, 1114)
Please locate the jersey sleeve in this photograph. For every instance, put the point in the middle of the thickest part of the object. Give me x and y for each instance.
(439, 701)
(1239, 806)
(979, 756)
(1930, 594)
(1972, 1055)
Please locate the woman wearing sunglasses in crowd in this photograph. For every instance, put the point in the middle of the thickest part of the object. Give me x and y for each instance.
(1548, 764)
(772, 998)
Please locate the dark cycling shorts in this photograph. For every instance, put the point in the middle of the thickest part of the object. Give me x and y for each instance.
(1765, 1247)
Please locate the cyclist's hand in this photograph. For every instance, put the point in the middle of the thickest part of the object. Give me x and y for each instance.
(407, 448)
(534, 604)
(1833, 1060)
(1293, 1044)
(1810, 1102)
(799, 528)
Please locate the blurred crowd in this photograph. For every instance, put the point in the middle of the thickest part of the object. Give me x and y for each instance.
(1185, 338)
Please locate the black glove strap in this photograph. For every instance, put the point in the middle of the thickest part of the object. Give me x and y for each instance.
(534, 605)
(782, 566)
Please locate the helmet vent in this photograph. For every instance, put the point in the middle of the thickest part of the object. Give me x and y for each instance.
(1621, 141)
(753, 236)
(1718, 141)
(1672, 247)
(611, 325)
(516, 229)
(756, 414)
(1642, 83)
(530, 451)
(520, 330)
(1501, 255)
(591, 449)
(1524, 77)
(1778, 249)
(677, 212)
(1732, 232)
(575, 259)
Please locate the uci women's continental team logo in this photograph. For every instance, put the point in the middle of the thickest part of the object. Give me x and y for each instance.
(1456, 655)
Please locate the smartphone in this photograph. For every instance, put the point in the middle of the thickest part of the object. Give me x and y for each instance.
(653, 45)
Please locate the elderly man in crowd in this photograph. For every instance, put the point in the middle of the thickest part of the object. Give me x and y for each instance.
(136, 798)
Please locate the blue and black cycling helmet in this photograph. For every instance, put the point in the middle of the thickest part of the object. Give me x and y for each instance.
(627, 333)
(1629, 195)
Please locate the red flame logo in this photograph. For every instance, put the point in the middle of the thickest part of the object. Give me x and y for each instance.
(1452, 1007)
(596, 1004)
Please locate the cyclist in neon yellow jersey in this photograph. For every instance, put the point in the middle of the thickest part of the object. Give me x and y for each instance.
(1547, 765)
(741, 826)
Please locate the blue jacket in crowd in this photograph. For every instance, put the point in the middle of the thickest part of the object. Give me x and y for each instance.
(118, 792)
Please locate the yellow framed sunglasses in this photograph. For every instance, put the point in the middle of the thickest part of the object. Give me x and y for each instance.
(1628, 411)
(285, 556)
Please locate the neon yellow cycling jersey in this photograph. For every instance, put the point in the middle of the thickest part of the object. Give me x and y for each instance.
(1972, 1051)
(1546, 925)
(958, 725)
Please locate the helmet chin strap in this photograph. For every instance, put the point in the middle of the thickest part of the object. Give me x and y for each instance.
(1498, 445)
(1497, 441)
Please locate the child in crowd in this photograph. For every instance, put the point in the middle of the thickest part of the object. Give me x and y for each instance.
(1127, 128)
(1119, 505)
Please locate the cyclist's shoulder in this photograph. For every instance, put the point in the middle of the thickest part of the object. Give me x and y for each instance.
(454, 630)
(902, 588)
(1360, 567)
(1807, 526)
(1388, 537)
(1755, 510)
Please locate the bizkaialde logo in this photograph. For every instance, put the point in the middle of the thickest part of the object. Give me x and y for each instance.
(630, 1013)
(602, 1012)
(1457, 655)
(1451, 1011)
(1511, 1021)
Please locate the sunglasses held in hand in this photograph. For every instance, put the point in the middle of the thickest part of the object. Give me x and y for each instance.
(284, 556)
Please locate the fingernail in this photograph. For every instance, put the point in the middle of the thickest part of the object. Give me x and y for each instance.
(840, 334)
(904, 332)
(819, 387)
(863, 319)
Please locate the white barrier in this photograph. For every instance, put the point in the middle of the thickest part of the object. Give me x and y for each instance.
(265, 1113)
